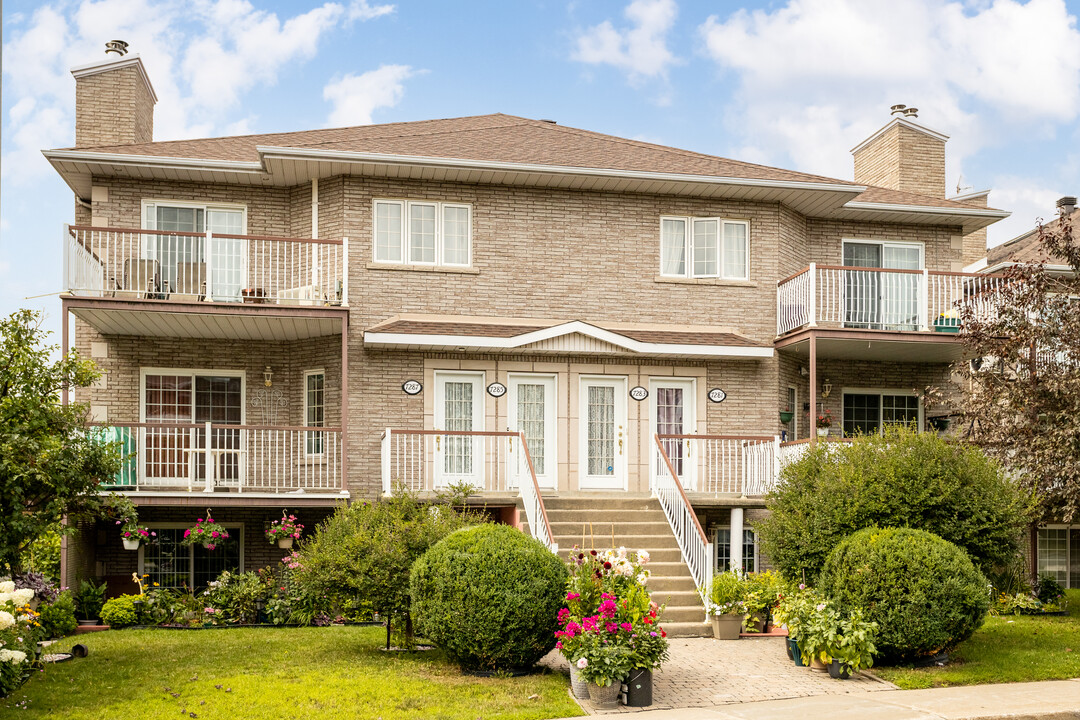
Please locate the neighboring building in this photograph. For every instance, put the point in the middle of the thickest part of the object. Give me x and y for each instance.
(1054, 547)
(296, 319)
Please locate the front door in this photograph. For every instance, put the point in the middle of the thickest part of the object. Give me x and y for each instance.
(459, 406)
(603, 443)
(531, 410)
(673, 414)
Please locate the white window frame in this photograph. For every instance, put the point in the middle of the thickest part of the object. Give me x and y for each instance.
(322, 443)
(229, 526)
(880, 392)
(1068, 549)
(920, 246)
(795, 412)
(716, 543)
(193, 372)
(688, 247)
(406, 220)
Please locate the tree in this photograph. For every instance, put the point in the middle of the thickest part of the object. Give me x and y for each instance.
(364, 551)
(901, 479)
(1023, 383)
(51, 461)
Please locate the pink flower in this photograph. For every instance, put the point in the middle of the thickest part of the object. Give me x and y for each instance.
(564, 616)
(153, 534)
(186, 533)
(611, 627)
(608, 608)
(572, 596)
(210, 547)
(653, 634)
(582, 663)
(627, 627)
(214, 534)
(119, 523)
(558, 645)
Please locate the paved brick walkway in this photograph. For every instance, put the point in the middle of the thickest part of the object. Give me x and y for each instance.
(703, 672)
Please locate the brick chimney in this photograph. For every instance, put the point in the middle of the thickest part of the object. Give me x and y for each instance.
(114, 102)
(903, 155)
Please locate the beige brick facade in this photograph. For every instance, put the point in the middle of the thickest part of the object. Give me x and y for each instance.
(114, 107)
(903, 158)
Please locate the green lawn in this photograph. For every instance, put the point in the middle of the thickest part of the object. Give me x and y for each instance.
(1006, 649)
(257, 673)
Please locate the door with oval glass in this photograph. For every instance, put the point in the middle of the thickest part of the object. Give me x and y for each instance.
(603, 442)
(531, 410)
(673, 413)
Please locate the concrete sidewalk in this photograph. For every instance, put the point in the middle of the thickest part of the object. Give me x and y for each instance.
(1050, 700)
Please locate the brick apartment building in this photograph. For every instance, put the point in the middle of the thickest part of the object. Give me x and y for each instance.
(295, 320)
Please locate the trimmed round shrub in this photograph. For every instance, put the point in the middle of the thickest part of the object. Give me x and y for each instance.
(490, 597)
(119, 612)
(58, 617)
(924, 592)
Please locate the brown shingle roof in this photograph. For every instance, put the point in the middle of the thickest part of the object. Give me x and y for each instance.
(1026, 248)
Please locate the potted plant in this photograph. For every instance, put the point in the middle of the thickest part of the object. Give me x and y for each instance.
(853, 647)
(284, 531)
(760, 598)
(786, 415)
(793, 609)
(649, 650)
(603, 666)
(89, 600)
(133, 534)
(818, 635)
(824, 422)
(726, 605)
(205, 532)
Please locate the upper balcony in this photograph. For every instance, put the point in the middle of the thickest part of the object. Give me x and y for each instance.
(202, 284)
(891, 314)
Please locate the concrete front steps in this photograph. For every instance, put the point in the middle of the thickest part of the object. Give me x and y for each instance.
(636, 523)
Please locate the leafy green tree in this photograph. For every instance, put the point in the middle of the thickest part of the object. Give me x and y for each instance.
(364, 551)
(901, 479)
(1023, 386)
(51, 461)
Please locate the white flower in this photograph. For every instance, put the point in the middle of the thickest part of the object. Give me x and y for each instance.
(22, 597)
(622, 552)
(582, 663)
(7, 586)
(12, 656)
(6, 620)
(642, 578)
(643, 557)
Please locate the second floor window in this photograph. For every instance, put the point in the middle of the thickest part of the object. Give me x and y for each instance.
(704, 248)
(422, 233)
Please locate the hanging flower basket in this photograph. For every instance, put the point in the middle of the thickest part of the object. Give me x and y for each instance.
(284, 531)
(205, 532)
(134, 535)
(786, 416)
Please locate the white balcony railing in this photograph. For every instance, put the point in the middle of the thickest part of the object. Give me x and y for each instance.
(793, 450)
(694, 545)
(430, 460)
(878, 298)
(719, 464)
(204, 267)
(240, 458)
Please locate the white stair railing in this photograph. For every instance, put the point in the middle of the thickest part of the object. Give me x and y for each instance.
(697, 551)
(535, 512)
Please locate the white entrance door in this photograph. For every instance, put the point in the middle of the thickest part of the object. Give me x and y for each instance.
(603, 436)
(459, 405)
(531, 410)
(228, 256)
(673, 413)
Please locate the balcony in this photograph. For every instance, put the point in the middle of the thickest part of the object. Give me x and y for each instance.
(717, 465)
(183, 284)
(170, 459)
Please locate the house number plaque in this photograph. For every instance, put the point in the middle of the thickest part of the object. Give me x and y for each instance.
(412, 387)
(496, 389)
(717, 395)
(639, 393)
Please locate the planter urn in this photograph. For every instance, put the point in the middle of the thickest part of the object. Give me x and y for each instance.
(823, 432)
(605, 698)
(578, 686)
(131, 543)
(816, 665)
(786, 416)
(727, 627)
(839, 671)
(639, 688)
(285, 543)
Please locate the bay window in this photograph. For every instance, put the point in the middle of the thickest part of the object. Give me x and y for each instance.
(422, 233)
(704, 248)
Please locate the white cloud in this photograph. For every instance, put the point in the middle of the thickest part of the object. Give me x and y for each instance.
(202, 57)
(363, 10)
(1029, 199)
(641, 49)
(356, 97)
(815, 77)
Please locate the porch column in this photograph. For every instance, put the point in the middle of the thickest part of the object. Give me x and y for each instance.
(813, 389)
(344, 400)
(735, 546)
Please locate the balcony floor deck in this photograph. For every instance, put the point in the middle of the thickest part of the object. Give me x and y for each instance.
(874, 345)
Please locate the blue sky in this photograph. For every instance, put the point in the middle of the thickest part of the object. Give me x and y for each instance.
(794, 84)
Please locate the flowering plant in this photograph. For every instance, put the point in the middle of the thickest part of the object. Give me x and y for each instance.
(20, 631)
(132, 530)
(286, 527)
(824, 419)
(206, 533)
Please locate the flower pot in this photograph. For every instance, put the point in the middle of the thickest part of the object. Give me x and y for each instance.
(87, 622)
(131, 543)
(726, 627)
(839, 671)
(605, 698)
(285, 543)
(786, 416)
(823, 432)
(794, 653)
(578, 686)
(756, 624)
(639, 688)
(816, 665)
